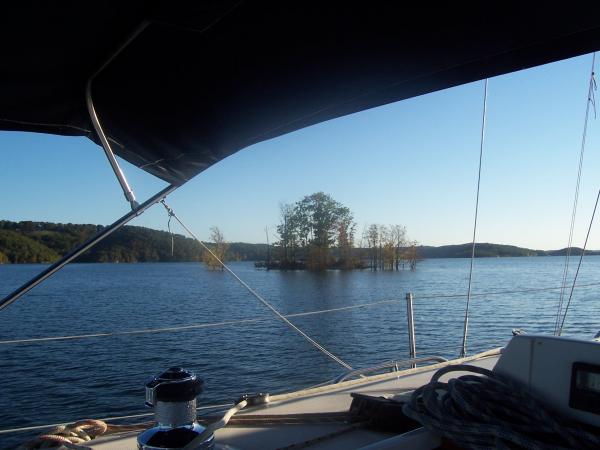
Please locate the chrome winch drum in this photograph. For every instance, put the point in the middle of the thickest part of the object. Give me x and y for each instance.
(173, 394)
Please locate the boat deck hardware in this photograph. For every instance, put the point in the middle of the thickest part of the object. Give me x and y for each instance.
(260, 398)
(412, 344)
(173, 394)
(381, 413)
(104, 141)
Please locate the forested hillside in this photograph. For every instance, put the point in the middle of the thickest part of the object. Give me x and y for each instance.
(36, 242)
(486, 250)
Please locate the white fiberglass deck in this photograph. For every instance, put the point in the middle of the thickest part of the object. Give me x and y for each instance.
(331, 398)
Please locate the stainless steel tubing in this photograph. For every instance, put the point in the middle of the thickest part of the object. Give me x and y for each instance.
(12, 297)
(412, 347)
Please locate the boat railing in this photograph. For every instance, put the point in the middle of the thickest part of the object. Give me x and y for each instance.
(394, 366)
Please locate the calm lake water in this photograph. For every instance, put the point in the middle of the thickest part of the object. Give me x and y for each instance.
(59, 381)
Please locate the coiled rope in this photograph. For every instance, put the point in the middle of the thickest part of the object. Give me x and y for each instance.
(69, 436)
(318, 346)
(490, 410)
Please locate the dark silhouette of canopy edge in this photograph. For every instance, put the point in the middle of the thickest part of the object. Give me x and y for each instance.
(207, 79)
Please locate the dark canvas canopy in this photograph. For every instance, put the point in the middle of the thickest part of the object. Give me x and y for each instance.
(206, 79)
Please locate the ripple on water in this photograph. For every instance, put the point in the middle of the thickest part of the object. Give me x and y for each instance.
(66, 380)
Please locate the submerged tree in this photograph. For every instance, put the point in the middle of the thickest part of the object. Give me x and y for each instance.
(387, 247)
(411, 255)
(372, 238)
(398, 238)
(345, 238)
(288, 233)
(218, 247)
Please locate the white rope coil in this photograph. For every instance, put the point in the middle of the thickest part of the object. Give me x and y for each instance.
(484, 410)
(69, 436)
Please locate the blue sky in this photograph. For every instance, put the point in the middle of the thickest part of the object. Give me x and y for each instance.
(412, 163)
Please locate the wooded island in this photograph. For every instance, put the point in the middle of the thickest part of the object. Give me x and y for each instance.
(318, 233)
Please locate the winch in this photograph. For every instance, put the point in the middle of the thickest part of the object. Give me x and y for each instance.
(173, 394)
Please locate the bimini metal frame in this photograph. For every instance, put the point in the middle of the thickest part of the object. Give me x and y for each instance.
(12, 297)
(136, 209)
(127, 190)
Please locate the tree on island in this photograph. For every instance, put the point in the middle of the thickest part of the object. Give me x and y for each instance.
(289, 234)
(218, 247)
(314, 226)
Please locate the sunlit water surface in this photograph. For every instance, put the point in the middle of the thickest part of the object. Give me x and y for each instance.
(59, 381)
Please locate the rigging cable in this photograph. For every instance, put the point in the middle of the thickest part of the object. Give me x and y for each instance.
(257, 295)
(170, 214)
(590, 101)
(579, 265)
(463, 350)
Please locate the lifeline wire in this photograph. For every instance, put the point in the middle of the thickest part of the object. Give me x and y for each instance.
(590, 101)
(261, 319)
(258, 296)
(103, 419)
(463, 350)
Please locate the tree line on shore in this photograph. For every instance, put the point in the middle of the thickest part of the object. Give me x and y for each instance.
(45, 242)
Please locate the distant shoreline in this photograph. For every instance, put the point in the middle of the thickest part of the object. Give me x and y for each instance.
(591, 253)
(44, 242)
(488, 250)
(555, 253)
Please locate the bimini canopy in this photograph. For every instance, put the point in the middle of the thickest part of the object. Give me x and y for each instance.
(206, 79)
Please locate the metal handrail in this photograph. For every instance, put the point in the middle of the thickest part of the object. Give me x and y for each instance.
(394, 365)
